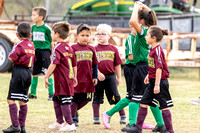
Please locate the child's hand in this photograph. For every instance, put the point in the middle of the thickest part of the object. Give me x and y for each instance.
(75, 82)
(146, 80)
(46, 82)
(156, 89)
(118, 81)
(101, 76)
(95, 81)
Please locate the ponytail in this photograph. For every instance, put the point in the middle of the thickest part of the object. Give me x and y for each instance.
(165, 32)
(158, 32)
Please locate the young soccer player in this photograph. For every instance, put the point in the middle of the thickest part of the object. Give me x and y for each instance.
(141, 18)
(63, 65)
(22, 56)
(158, 86)
(86, 70)
(109, 64)
(42, 42)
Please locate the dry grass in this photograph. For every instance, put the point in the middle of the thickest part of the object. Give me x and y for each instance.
(184, 85)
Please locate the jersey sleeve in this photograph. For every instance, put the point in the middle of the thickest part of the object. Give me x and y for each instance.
(117, 59)
(56, 57)
(74, 62)
(158, 59)
(15, 53)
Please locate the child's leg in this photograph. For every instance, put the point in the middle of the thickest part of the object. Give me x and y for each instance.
(118, 107)
(157, 115)
(50, 86)
(168, 120)
(133, 111)
(13, 113)
(96, 108)
(34, 84)
(22, 113)
(66, 111)
(74, 107)
(58, 112)
(141, 117)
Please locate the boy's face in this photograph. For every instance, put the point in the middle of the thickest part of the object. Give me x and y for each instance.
(84, 37)
(35, 17)
(53, 36)
(102, 36)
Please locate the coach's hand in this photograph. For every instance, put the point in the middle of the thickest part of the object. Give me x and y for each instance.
(46, 82)
(146, 80)
(101, 76)
(156, 89)
(95, 81)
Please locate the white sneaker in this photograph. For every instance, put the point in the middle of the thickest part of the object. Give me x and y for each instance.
(68, 127)
(56, 126)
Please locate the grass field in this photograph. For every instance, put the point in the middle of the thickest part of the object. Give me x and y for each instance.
(184, 85)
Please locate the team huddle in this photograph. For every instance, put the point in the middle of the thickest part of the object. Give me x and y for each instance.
(83, 72)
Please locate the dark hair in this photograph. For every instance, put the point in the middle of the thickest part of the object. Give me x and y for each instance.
(24, 29)
(41, 11)
(158, 32)
(82, 27)
(149, 17)
(62, 28)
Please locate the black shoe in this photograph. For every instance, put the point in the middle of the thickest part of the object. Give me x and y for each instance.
(161, 129)
(96, 120)
(31, 96)
(77, 116)
(50, 97)
(131, 129)
(75, 121)
(23, 130)
(12, 129)
(122, 119)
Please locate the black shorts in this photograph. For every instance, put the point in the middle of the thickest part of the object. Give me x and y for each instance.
(163, 98)
(110, 87)
(79, 97)
(42, 62)
(63, 99)
(138, 86)
(19, 83)
(128, 74)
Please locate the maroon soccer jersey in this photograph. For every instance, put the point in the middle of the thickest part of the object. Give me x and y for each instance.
(157, 60)
(86, 57)
(108, 57)
(64, 58)
(23, 53)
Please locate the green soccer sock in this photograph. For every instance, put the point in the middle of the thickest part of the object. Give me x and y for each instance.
(119, 106)
(34, 84)
(157, 115)
(50, 86)
(133, 111)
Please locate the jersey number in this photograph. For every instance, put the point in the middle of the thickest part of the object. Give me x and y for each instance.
(30, 62)
(71, 74)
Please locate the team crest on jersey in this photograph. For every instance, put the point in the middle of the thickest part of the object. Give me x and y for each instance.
(105, 55)
(84, 55)
(30, 45)
(151, 62)
(67, 48)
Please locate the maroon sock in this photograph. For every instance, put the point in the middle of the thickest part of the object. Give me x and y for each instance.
(22, 115)
(74, 107)
(82, 104)
(168, 120)
(13, 114)
(121, 112)
(142, 113)
(96, 108)
(66, 111)
(58, 112)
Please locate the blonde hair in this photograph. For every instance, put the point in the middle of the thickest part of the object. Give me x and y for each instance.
(105, 27)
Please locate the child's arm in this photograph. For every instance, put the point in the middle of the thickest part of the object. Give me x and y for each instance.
(10, 59)
(95, 74)
(75, 76)
(157, 81)
(118, 72)
(48, 74)
(101, 76)
(134, 18)
(146, 80)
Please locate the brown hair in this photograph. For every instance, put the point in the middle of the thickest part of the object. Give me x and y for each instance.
(149, 17)
(82, 27)
(62, 28)
(41, 11)
(24, 29)
(158, 32)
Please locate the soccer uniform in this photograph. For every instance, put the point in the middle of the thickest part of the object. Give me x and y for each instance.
(86, 58)
(23, 56)
(42, 42)
(157, 60)
(108, 57)
(65, 60)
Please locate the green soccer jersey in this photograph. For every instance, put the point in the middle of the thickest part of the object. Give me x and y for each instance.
(140, 47)
(41, 36)
(129, 48)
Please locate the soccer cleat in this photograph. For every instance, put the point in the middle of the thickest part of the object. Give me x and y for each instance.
(12, 129)
(145, 126)
(106, 120)
(131, 129)
(122, 119)
(195, 101)
(96, 120)
(50, 97)
(31, 96)
(161, 129)
(75, 121)
(23, 130)
(56, 126)
(68, 127)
